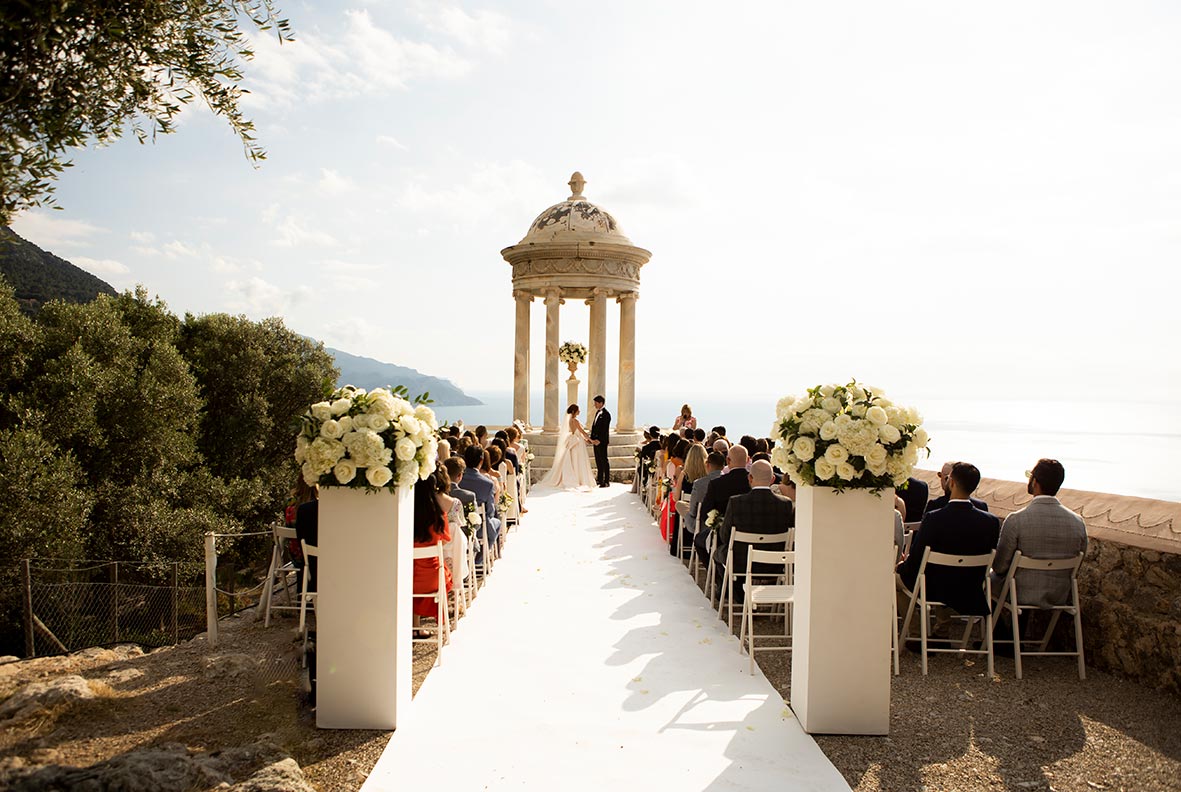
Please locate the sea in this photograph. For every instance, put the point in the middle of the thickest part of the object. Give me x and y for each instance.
(1123, 448)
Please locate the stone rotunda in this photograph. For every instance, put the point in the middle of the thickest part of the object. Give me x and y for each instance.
(576, 250)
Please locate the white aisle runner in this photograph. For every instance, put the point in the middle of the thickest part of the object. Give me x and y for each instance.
(590, 661)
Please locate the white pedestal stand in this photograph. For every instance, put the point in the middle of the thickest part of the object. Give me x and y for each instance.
(363, 608)
(840, 675)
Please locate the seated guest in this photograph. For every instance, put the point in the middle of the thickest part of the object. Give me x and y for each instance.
(748, 442)
(958, 529)
(483, 487)
(1043, 529)
(758, 511)
(761, 447)
(482, 435)
(490, 467)
(787, 488)
(444, 449)
(693, 469)
(722, 446)
(720, 431)
(508, 456)
(685, 420)
(717, 496)
(915, 497)
(455, 548)
(455, 468)
(945, 483)
(453, 431)
(709, 441)
(699, 435)
(714, 462)
(430, 527)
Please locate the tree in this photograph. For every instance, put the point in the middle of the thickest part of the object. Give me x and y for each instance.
(79, 71)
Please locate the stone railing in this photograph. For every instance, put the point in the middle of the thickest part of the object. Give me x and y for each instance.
(1130, 582)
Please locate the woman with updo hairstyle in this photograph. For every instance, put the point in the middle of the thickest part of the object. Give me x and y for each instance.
(430, 527)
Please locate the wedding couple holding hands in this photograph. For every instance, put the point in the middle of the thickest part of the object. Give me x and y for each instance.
(571, 467)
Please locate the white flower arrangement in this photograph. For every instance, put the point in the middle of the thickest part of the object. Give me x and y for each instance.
(504, 501)
(376, 439)
(847, 437)
(572, 352)
(712, 518)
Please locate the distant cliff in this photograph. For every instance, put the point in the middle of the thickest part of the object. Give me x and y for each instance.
(369, 373)
(38, 276)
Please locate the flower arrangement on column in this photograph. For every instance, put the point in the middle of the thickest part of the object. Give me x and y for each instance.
(376, 440)
(572, 353)
(847, 437)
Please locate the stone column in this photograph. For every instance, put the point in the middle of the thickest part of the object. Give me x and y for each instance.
(626, 418)
(553, 301)
(597, 362)
(521, 358)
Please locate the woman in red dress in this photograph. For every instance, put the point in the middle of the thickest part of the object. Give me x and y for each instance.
(430, 527)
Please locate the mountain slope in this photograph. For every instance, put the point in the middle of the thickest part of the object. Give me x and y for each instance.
(369, 373)
(38, 276)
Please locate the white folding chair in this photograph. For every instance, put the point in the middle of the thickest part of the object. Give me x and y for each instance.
(775, 595)
(787, 538)
(1008, 600)
(682, 526)
(919, 598)
(306, 595)
(456, 559)
(442, 628)
(907, 540)
(487, 549)
(894, 648)
(281, 569)
(710, 583)
(514, 511)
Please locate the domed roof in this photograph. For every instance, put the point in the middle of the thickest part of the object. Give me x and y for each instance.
(574, 220)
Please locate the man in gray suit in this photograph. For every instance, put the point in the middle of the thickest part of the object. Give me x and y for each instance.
(484, 490)
(758, 511)
(714, 463)
(1043, 529)
(455, 468)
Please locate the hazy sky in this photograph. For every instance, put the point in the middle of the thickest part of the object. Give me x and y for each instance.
(941, 198)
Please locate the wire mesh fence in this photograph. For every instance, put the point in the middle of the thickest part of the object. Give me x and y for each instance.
(65, 605)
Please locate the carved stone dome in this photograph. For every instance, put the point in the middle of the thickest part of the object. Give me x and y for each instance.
(575, 247)
(574, 220)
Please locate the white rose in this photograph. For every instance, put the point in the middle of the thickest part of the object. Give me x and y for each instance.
(801, 405)
(783, 408)
(858, 410)
(824, 469)
(321, 411)
(877, 415)
(877, 455)
(377, 423)
(407, 475)
(427, 416)
(401, 407)
(378, 476)
(857, 392)
(410, 425)
(895, 417)
(780, 457)
(827, 390)
(910, 454)
(804, 448)
(828, 431)
(847, 471)
(425, 468)
(913, 416)
(883, 402)
(831, 405)
(301, 449)
(889, 434)
(473, 518)
(921, 437)
(331, 429)
(345, 471)
(876, 469)
(341, 406)
(843, 420)
(836, 454)
(310, 476)
(405, 449)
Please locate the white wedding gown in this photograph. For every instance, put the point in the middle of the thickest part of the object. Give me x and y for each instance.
(571, 468)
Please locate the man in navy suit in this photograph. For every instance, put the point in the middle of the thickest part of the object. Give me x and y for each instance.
(959, 528)
(600, 435)
(941, 501)
(482, 487)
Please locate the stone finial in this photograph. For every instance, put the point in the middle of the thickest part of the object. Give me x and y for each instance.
(576, 184)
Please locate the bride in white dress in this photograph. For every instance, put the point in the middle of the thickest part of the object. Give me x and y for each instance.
(571, 468)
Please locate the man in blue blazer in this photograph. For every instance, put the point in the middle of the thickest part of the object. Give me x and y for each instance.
(959, 528)
(483, 488)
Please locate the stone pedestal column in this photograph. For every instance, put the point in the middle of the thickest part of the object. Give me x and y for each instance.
(521, 358)
(626, 420)
(597, 364)
(572, 391)
(553, 301)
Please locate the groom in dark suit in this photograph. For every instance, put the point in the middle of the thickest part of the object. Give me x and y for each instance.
(600, 435)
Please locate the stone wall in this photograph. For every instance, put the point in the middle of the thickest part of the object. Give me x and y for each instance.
(1129, 584)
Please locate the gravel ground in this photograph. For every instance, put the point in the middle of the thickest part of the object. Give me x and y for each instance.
(952, 730)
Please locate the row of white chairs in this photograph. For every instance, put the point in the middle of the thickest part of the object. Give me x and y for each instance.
(780, 595)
